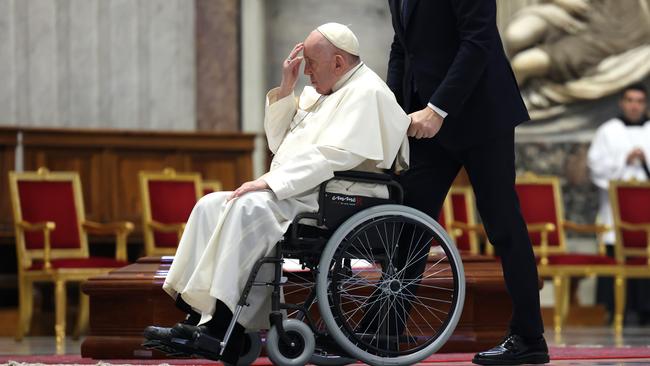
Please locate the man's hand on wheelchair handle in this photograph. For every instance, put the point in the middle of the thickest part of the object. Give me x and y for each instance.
(425, 123)
(255, 185)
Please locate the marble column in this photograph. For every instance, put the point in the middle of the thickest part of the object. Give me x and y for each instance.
(217, 65)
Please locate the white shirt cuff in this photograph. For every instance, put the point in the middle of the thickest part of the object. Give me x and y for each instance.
(442, 113)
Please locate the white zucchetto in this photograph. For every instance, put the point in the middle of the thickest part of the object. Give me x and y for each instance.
(341, 37)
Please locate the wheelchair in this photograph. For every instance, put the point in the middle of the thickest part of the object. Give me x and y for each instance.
(384, 283)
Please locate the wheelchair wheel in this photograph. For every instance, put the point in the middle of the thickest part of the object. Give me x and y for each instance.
(390, 286)
(301, 347)
(252, 349)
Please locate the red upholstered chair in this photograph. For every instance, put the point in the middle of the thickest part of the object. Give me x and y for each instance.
(541, 205)
(167, 201)
(631, 210)
(52, 243)
(210, 186)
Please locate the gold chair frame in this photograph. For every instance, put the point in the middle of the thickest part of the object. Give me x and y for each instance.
(560, 273)
(149, 225)
(472, 229)
(620, 252)
(27, 278)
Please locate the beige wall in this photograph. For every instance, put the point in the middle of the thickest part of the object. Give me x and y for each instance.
(97, 63)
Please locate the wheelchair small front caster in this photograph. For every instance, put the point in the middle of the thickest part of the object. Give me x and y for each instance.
(298, 351)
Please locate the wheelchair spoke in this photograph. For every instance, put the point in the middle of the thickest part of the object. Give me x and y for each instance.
(382, 243)
(426, 277)
(385, 296)
(363, 305)
(406, 323)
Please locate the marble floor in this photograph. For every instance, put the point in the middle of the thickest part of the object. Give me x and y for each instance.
(571, 337)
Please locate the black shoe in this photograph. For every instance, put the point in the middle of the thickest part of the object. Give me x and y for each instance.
(514, 350)
(154, 333)
(180, 330)
(186, 331)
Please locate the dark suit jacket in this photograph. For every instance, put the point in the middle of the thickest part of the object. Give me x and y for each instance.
(450, 54)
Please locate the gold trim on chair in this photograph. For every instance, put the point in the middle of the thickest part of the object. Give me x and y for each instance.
(59, 276)
(620, 252)
(561, 273)
(471, 228)
(212, 185)
(149, 225)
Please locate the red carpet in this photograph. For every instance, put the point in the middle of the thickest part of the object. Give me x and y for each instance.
(557, 353)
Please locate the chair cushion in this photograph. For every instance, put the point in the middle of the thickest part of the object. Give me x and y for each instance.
(579, 259)
(91, 262)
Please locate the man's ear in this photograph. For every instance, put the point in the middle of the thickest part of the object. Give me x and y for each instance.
(340, 63)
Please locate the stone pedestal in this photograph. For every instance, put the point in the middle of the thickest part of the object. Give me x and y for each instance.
(125, 301)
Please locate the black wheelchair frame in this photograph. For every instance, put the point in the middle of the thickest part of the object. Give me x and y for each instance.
(333, 209)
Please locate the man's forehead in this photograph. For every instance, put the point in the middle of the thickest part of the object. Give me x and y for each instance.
(634, 94)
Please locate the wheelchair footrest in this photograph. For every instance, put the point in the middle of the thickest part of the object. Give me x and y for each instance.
(207, 346)
(166, 348)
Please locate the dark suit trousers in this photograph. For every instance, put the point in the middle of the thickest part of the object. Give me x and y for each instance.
(490, 165)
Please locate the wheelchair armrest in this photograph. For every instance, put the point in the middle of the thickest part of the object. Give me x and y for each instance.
(366, 177)
(395, 189)
(395, 192)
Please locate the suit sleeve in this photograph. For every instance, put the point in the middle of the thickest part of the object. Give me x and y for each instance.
(395, 77)
(475, 20)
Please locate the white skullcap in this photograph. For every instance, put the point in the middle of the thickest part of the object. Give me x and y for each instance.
(341, 37)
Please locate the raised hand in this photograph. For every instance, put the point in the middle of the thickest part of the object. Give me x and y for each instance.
(290, 71)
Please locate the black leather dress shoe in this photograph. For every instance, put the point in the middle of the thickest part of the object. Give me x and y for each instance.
(180, 330)
(153, 332)
(514, 350)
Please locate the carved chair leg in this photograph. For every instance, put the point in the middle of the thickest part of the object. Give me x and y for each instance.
(566, 298)
(82, 315)
(620, 285)
(558, 284)
(60, 310)
(25, 308)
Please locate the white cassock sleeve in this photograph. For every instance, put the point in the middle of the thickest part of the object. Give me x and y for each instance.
(604, 163)
(277, 117)
(309, 169)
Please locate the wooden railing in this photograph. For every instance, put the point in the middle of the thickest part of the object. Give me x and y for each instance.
(108, 162)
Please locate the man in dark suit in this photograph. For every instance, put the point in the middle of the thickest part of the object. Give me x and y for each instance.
(448, 69)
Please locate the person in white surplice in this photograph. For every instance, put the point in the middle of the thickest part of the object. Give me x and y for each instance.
(621, 151)
(347, 120)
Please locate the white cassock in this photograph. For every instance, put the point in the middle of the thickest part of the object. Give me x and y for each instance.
(607, 161)
(359, 126)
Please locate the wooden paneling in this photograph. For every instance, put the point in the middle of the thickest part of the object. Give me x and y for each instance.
(138, 287)
(108, 162)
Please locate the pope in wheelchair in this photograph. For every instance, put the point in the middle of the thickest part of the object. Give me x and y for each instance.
(386, 284)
